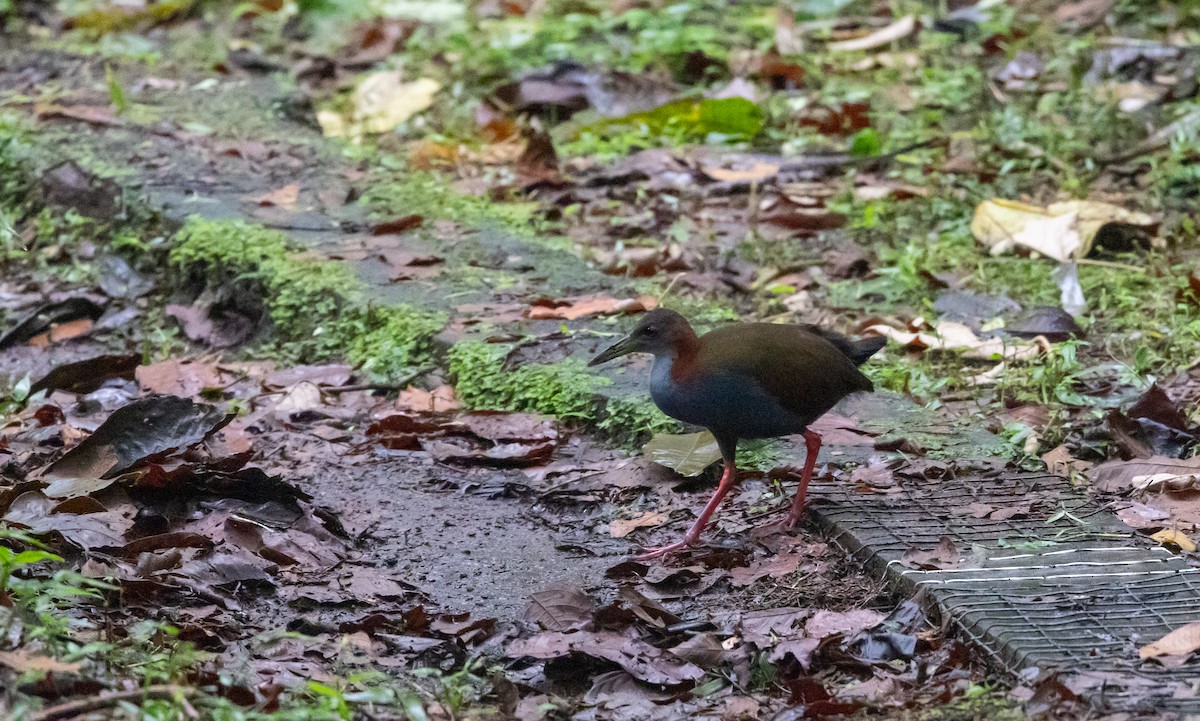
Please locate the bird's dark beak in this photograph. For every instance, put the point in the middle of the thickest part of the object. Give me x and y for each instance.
(616, 350)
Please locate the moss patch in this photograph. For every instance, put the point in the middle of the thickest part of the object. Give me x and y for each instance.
(316, 306)
(635, 418)
(396, 340)
(563, 389)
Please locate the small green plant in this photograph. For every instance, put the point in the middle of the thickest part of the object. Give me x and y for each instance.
(37, 602)
(1052, 378)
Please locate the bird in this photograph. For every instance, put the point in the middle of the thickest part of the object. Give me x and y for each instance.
(745, 381)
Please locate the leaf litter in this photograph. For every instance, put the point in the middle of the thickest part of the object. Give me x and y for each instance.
(676, 213)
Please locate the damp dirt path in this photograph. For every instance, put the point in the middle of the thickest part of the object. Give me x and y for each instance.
(464, 550)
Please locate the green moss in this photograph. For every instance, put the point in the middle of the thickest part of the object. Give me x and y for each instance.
(635, 418)
(432, 197)
(396, 340)
(306, 298)
(565, 389)
(316, 306)
(16, 166)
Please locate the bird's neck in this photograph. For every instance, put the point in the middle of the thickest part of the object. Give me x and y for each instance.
(680, 364)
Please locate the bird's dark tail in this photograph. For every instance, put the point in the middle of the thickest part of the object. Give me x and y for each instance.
(857, 351)
(864, 348)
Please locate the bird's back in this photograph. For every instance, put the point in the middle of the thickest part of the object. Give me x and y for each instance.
(805, 368)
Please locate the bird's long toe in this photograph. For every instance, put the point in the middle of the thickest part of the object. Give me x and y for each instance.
(650, 554)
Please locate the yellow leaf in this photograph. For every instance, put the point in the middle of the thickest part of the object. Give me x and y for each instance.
(1174, 538)
(1062, 231)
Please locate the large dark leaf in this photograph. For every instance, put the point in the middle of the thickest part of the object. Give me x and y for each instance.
(559, 608)
(641, 660)
(144, 428)
(86, 376)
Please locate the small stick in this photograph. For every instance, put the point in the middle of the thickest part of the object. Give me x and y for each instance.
(105, 700)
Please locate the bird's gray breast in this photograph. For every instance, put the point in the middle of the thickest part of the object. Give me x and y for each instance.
(723, 402)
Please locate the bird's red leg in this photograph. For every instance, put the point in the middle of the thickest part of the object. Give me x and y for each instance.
(812, 442)
(728, 480)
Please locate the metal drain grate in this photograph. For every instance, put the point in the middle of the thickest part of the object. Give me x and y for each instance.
(1079, 593)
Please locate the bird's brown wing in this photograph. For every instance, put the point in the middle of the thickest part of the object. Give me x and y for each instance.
(801, 368)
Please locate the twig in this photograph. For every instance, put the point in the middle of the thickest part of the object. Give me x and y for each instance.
(112, 698)
(1110, 264)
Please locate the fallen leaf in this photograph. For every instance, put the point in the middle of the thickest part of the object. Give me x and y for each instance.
(26, 661)
(1157, 406)
(1154, 475)
(559, 608)
(765, 628)
(285, 197)
(943, 556)
(54, 321)
(398, 225)
(1060, 461)
(687, 454)
(1063, 231)
(331, 374)
(88, 531)
(174, 377)
(132, 433)
(102, 115)
(1140, 516)
(900, 28)
(202, 323)
(771, 567)
(438, 400)
(1171, 537)
(303, 396)
(954, 336)
(623, 527)
(639, 659)
(86, 376)
(1183, 641)
(589, 305)
(379, 103)
(824, 623)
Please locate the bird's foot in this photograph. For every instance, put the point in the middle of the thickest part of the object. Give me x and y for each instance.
(650, 554)
(782, 525)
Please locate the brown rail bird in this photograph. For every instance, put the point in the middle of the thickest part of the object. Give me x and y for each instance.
(746, 380)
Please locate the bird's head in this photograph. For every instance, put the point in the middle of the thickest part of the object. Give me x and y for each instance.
(660, 332)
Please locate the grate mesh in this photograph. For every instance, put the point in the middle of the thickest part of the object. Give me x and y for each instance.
(1062, 585)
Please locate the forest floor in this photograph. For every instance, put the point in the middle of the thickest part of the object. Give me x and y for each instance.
(296, 297)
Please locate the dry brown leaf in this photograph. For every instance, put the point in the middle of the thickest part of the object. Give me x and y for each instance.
(590, 305)
(94, 114)
(61, 332)
(623, 527)
(23, 661)
(285, 197)
(438, 400)
(1180, 642)
(1154, 474)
